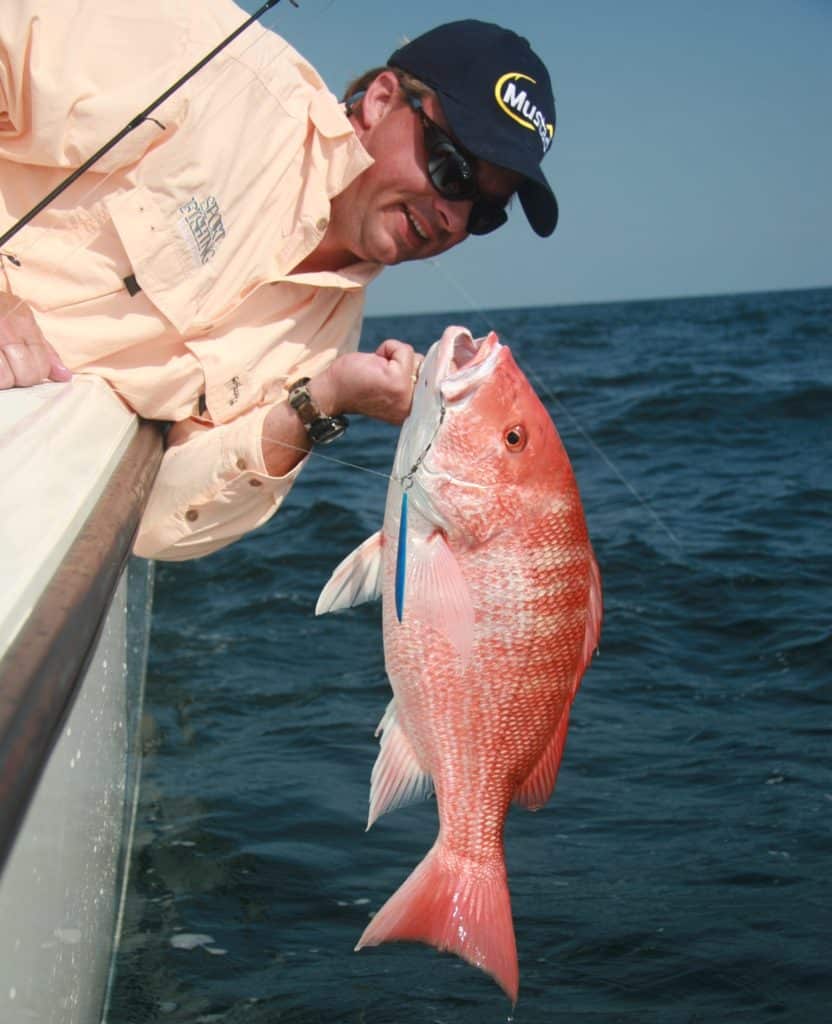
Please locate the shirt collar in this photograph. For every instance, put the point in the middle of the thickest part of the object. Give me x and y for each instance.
(356, 275)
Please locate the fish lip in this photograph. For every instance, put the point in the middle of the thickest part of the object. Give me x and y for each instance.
(465, 362)
(453, 367)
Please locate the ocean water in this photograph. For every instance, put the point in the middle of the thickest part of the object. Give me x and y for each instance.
(681, 871)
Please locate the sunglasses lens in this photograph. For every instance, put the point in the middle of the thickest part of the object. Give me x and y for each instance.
(485, 218)
(450, 173)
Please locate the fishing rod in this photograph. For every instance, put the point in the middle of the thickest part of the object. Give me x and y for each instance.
(134, 123)
(144, 115)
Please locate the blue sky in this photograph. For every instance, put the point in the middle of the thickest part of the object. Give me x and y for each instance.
(693, 152)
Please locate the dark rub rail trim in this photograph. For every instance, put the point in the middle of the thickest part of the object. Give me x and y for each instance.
(42, 670)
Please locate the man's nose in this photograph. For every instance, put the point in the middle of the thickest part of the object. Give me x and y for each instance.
(453, 214)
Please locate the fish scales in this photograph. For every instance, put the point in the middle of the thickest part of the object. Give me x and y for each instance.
(500, 614)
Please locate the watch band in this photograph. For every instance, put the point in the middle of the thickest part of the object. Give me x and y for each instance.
(322, 429)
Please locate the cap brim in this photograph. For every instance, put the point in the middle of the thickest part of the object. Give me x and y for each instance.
(539, 204)
(535, 194)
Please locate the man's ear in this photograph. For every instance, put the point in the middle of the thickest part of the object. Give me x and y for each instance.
(381, 97)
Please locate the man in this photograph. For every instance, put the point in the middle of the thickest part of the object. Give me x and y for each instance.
(212, 267)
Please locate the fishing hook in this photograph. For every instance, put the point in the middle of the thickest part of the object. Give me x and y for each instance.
(406, 481)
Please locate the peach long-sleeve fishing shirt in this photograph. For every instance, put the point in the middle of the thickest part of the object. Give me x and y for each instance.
(167, 269)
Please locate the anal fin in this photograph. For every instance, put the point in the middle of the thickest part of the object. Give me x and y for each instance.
(536, 789)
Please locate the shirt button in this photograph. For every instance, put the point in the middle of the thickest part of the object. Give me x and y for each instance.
(192, 515)
(256, 483)
(322, 224)
(241, 464)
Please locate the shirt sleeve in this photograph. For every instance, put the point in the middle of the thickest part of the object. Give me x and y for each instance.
(212, 487)
(72, 75)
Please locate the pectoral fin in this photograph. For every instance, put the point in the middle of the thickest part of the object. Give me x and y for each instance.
(437, 592)
(355, 580)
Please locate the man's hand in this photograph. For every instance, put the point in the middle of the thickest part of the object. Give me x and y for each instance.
(377, 384)
(26, 357)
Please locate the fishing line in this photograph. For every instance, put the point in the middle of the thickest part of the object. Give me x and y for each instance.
(14, 257)
(328, 458)
(547, 393)
(406, 481)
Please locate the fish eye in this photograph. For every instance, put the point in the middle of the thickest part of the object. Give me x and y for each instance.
(515, 438)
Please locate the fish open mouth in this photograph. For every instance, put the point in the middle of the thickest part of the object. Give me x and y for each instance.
(465, 351)
(465, 362)
(453, 369)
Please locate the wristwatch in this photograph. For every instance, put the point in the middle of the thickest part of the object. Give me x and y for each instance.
(320, 428)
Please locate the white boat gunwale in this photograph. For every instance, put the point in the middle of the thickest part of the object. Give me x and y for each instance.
(43, 667)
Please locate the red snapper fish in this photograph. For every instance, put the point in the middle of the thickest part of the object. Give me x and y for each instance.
(492, 611)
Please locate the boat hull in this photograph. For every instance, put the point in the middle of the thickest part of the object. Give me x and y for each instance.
(74, 626)
(62, 888)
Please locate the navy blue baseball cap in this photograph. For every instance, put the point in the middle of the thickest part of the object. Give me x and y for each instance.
(497, 97)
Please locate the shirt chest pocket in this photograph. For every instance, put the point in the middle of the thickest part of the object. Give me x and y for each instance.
(169, 249)
(124, 243)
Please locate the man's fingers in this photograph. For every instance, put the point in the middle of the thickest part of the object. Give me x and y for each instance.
(404, 356)
(22, 365)
(29, 363)
(388, 348)
(396, 352)
(6, 374)
(57, 370)
(26, 357)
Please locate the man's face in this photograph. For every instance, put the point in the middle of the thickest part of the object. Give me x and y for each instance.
(392, 212)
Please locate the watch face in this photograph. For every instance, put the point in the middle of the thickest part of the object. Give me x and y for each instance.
(326, 429)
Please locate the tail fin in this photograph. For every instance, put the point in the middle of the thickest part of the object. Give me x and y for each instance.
(457, 905)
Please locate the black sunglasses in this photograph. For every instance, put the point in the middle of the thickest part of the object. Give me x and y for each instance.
(451, 172)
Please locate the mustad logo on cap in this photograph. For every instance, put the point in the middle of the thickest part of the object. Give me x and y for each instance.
(513, 99)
